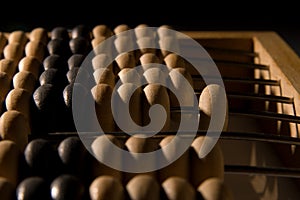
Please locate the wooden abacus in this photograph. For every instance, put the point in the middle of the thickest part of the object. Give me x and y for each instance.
(42, 157)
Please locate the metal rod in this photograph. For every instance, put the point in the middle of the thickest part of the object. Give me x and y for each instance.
(239, 80)
(231, 51)
(242, 64)
(268, 171)
(263, 97)
(268, 115)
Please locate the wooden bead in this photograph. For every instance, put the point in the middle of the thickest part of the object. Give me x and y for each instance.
(68, 92)
(208, 103)
(4, 84)
(129, 101)
(125, 60)
(143, 187)
(25, 80)
(39, 34)
(165, 31)
(106, 187)
(42, 159)
(99, 147)
(67, 186)
(156, 94)
(75, 60)
(79, 45)
(102, 61)
(168, 44)
(9, 161)
(18, 36)
(3, 41)
(14, 126)
(130, 75)
(53, 76)
(147, 59)
(135, 144)
(55, 61)
(177, 188)
(102, 30)
(36, 49)
(59, 46)
(101, 45)
(215, 189)
(81, 30)
(7, 189)
(72, 153)
(143, 30)
(102, 96)
(124, 43)
(30, 64)
(212, 165)
(121, 28)
(179, 168)
(156, 75)
(60, 33)
(33, 188)
(19, 99)
(13, 51)
(173, 60)
(71, 74)
(8, 66)
(146, 45)
(104, 75)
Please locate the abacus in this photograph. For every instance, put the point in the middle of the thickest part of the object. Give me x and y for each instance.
(42, 156)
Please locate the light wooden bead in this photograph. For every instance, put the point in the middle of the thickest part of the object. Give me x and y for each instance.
(177, 188)
(19, 99)
(8, 66)
(36, 49)
(168, 43)
(31, 64)
(101, 45)
(181, 83)
(4, 84)
(180, 167)
(130, 75)
(104, 75)
(99, 148)
(102, 61)
(39, 34)
(212, 165)
(106, 187)
(102, 96)
(135, 144)
(173, 60)
(143, 30)
(7, 189)
(9, 161)
(18, 36)
(102, 30)
(144, 187)
(156, 94)
(207, 105)
(215, 189)
(165, 31)
(15, 127)
(13, 51)
(155, 75)
(132, 103)
(3, 42)
(146, 45)
(121, 28)
(125, 60)
(124, 43)
(147, 59)
(25, 80)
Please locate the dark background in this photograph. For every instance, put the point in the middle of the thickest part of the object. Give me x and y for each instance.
(282, 16)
